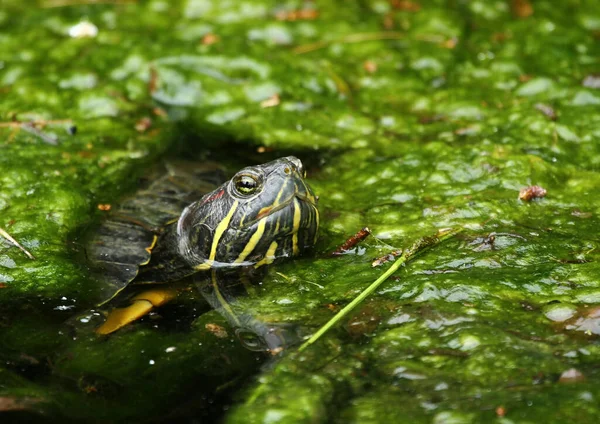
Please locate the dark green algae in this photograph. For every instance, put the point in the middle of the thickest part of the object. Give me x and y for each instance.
(443, 131)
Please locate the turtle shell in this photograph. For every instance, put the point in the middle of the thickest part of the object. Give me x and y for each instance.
(125, 241)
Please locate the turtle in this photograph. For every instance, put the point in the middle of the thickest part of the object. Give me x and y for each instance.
(185, 223)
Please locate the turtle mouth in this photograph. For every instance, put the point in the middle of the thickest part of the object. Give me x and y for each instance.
(306, 197)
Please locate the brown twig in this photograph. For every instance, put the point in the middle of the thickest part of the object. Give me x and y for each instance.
(49, 4)
(352, 38)
(35, 128)
(386, 258)
(40, 123)
(364, 37)
(547, 110)
(8, 237)
(26, 126)
(352, 242)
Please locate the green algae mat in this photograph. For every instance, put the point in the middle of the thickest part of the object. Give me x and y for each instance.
(411, 117)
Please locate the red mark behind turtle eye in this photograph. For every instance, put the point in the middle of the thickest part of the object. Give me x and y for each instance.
(214, 197)
(263, 212)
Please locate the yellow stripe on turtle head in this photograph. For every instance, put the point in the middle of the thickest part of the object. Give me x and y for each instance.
(220, 230)
(269, 256)
(296, 226)
(316, 223)
(252, 242)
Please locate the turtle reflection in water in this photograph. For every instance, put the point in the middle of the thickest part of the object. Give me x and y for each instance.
(178, 227)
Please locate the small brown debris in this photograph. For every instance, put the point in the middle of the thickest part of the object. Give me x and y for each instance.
(159, 112)
(153, 81)
(524, 77)
(352, 241)
(332, 307)
(143, 124)
(406, 5)
(264, 149)
(8, 237)
(90, 389)
(430, 119)
(217, 330)
(272, 101)
(450, 43)
(85, 154)
(388, 21)
(104, 206)
(522, 8)
(592, 81)
(3, 285)
(500, 411)
(386, 258)
(500, 37)
(370, 66)
(532, 192)
(571, 376)
(297, 15)
(209, 39)
(547, 110)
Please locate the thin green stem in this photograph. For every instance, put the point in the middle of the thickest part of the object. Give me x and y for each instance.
(417, 248)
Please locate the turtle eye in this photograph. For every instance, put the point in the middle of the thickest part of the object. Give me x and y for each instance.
(246, 184)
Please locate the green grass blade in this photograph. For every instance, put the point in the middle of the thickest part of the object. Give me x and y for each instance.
(417, 248)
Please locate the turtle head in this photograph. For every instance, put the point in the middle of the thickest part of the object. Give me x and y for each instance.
(263, 213)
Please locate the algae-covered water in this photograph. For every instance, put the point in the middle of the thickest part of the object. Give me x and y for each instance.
(410, 116)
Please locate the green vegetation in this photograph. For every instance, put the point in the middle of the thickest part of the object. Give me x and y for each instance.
(411, 116)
